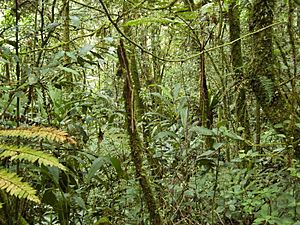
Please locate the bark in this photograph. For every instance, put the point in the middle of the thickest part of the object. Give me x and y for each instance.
(141, 107)
(66, 36)
(237, 64)
(135, 142)
(275, 104)
(262, 75)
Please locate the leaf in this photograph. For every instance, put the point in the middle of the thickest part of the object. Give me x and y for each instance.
(85, 49)
(32, 79)
(117, 165)
(97, 164)
(12, 184)
(187, 15)
(53, 172)
(3, 60)
(176, 91)
(75, 21)
(232, 135)
(69, 70)
(102, 221)
(50, 198)
(59, 55)
(202, 131)
(31, 155)
(22, 220)
(72, 56)
(207, 153)
(108, 39)
(39, 132)
(79, 201)
(166, 91)
(216, 146)
(184, 116)
(111, 50)
(164, 134)
(51, 26)
(207, 8)
(268, 86)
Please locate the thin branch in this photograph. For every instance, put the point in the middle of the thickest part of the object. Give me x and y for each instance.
(185, 59)
(87, 6)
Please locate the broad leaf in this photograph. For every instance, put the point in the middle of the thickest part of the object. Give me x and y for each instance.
(202, 131)
(117, 165)
(85, 49)
(69, 70)
(97, 164)
(164, 134)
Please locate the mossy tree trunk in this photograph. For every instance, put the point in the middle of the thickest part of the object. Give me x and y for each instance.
(262, 75)
(274, 102)
(205, 109)
(66, 36)
(135, 142)
(237, 65)
(140, 106)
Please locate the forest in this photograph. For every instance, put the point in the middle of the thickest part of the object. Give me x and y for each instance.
(149, 112)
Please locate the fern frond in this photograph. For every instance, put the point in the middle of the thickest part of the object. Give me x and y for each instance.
(12, 184)
(268, 87)
(40, 132)
(31, 155)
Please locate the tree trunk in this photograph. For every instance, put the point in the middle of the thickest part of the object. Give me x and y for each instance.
(135, 142)
(66, 36)
(273, 101)
(237, 64)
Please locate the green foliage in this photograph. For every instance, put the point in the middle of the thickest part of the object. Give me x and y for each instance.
(39, 132)
(268, 87)
(28, 154)
(10, 181)
(230, 173)
(12, 184)
(149, 20)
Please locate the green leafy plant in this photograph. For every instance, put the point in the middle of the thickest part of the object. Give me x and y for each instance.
(10, 181)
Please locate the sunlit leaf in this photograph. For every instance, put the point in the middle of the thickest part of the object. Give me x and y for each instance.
(69, 70)
(207, 153)
(184, 116)
(102, 221)
(216, 145)
(164, 134)
(232, 135)
(202, 131)
(75, 20)
(85, 49)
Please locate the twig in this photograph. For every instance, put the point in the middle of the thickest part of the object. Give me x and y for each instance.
(185, 59)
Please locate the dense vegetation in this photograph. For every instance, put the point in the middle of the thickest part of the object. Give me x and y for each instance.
(149, 112)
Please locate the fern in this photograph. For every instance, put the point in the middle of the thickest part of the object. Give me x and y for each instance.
(31, 155)
(39, 132)
(9, 181)
(268, 86)
(12, 184)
